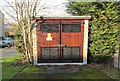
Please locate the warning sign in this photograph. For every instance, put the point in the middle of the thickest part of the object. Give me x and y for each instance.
(49, 37)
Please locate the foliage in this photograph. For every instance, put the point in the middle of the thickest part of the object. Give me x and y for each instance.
(79, 8)
(103, 27)
(18, 41)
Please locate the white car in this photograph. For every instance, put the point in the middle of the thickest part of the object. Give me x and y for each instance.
(2, 43)
(9, 41)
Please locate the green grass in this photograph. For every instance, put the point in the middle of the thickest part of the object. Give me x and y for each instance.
(34, 72)
(32, 69)
(37, 72)
(112, 71)
(9, 71)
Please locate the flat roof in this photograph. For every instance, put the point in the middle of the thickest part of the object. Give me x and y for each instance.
(67, 17)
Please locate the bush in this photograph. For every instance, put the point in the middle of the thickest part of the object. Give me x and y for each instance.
(18, 41)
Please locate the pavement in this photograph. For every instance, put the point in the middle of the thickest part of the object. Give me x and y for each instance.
(7, 52)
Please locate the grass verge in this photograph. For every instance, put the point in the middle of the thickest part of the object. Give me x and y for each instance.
(35, 72)
(111, 72)
(8, 71)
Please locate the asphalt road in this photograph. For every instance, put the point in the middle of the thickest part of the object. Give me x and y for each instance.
(7, 52)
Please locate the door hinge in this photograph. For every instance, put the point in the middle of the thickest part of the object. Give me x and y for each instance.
(82, 23)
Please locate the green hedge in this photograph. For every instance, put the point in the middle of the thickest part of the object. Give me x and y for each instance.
(103, 29)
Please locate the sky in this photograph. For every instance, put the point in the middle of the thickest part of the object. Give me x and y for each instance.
(57, 7)
(54, 8)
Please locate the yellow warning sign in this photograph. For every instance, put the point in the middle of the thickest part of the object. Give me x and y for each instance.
(49, 37)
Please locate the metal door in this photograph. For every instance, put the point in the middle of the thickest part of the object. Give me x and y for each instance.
(49, 41)
(72, 40)
(65, 42)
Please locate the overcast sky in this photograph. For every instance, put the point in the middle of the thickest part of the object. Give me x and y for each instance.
(54, 8)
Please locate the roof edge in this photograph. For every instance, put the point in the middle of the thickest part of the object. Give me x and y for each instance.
(66, 17)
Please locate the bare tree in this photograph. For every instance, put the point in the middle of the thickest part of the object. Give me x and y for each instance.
(23, 11)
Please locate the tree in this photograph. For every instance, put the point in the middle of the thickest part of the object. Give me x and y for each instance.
(80, 8)
(23, 12)
(103, 28)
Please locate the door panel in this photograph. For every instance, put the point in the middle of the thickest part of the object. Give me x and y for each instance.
(71, 27)
(45, 53)
(49, 27)
(76, 53)
(66, 53)
(48, 54)
(71, 32)
(54, 53)
(71, 54)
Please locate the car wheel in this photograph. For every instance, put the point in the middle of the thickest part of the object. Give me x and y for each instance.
(3, 46)
(9, 45)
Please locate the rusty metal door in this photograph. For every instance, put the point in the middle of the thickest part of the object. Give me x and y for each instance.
(60, 41)
(71, 40)
(49, 41)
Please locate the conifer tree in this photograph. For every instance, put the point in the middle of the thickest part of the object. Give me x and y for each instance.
(103, 28)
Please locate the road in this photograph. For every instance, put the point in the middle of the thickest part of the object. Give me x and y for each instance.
(7, 52)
